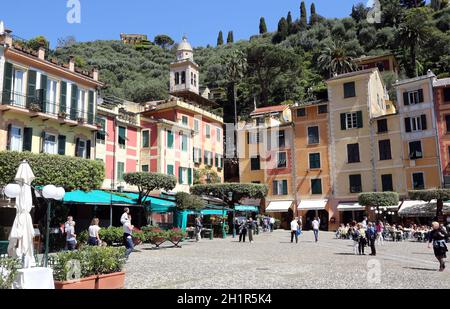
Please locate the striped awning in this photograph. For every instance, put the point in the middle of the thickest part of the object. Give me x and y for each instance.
(350, 207)
(279, 206)
(312, 205)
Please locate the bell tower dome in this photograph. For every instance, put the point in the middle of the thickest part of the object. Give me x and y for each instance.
(184, 72)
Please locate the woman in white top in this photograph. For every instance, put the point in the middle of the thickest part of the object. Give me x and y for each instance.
(94, 238)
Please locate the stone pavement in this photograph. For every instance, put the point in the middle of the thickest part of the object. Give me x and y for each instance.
(272, 262)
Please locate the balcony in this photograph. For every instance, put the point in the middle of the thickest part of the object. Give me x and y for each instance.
(39, 107)
(128, 117)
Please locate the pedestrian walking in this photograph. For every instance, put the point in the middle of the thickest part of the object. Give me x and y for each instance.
(316, 227)
(380, 230)
(71, 237)
(364, 223)
(294, 230)
(265, 224)
(371, 235)
(124, 217)
(128, 236)
(94, 237)
(437, 237)
(361, 236)
(242, 230)
(250, 227)
(198, 229)
(272, 224)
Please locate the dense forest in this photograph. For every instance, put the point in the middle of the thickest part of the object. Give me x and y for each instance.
(284, 66)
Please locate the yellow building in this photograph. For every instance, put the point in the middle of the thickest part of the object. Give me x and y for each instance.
(266, 156)
(312, 176)
(419, 132)
(365, 139)
(45, 107)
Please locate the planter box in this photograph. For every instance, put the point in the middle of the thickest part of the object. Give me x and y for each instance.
(111, 281)
(88, 283)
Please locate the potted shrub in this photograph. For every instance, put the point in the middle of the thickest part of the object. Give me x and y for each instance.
(62, 115)
(8, 272)
(90, 268)
(112, 235)
(80, 120)
(34, 107)
(138, 237)
(155, 235)
(176, 235)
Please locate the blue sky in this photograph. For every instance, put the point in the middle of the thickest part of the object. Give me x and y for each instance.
(201, 20)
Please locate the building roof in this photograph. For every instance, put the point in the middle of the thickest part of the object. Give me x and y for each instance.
(441, 82)
(415, 79)
(309, 103)
(368, 58)
(269, 109)
(185, 45)
(351, 74)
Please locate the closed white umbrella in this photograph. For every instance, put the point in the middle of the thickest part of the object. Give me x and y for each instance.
(22, 232)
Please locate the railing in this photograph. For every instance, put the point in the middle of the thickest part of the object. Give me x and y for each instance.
(36, 103)
(127, 116)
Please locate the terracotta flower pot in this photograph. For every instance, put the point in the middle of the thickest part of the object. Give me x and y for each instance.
(88, 283)
(158, 240)
(113, 281)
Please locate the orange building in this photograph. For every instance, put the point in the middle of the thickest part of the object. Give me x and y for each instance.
(384, 63)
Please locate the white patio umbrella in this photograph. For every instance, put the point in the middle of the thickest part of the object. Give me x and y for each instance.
(22, 232)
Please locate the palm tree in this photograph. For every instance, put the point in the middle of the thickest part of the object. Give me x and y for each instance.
(336, 59)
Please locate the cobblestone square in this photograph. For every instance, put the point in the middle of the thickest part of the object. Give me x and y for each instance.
(272, 262)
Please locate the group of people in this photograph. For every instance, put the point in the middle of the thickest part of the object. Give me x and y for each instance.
(296, 228)
(246, 227)
(268, 224)
(94, 235)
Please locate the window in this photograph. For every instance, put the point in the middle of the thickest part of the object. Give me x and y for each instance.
(196, 126)
(447, 123)
(120, 170)
(351, 120)
(28, 140)
(192, 78)
(415, 124)
(281, 160)
(197, 156)
(281, 139)
(101, 134)
(219, 135)
(415, 150)
(183, 175)
(259, 121)
(355, 184)
(322, 109)
(418, 181)
(170, 139)
(385, 149)
(254, 138)
(177, 78)
(313, 135)
(15, 139)
(185, 120)
(349, 90)
(316, 186)
(314, 160)
(413, 97)
(50, 143)
(386, 183)
(301, 112)
(18, 88)
(255, 163)
(122, 137)
(208, 158)
(219, 161)
(353, 153)
(446, 94)
(51, 96)
(382, 126)
(81, 103)
(184, 142)
(145, 168)
(183, 77)
(208, 131)
(280, 187)
(81, 148)
(145, 138)
(170, 170)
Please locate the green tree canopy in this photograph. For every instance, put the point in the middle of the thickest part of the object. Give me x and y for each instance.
(303, 16)
(186, 201)
(262, 26)
(378, 199)
(164, 41)
(148, 182)
(68, 172)
(220, 39)
(314, 18)
(409, 4)
(282, 32)
(230, 37)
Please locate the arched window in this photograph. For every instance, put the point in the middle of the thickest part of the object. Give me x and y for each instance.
(195, 80)
(183, 77)
(177, 78)
(192, 78)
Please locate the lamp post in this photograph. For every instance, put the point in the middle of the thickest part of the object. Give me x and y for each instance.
(50, 193)
(230, 198)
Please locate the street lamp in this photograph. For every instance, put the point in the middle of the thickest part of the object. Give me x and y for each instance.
(230, 198)
(50, 193)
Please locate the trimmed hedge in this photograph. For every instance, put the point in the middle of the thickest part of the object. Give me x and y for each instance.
(186, 201)
(239, 190)
(378, 199)
(71, 173)
(148, 182)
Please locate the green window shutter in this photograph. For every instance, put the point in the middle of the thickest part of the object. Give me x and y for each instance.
(8, 138)
(169, 139)
(42, 141)
(74, 102)
(63, 98)
(91, 108)
(27, 139)
(61, 145)
(7, 83)
(31, 87)
(43, 99)
(421, 99)
(359, 117)
(408, 124)
(122, 136)
(405, 98)
(190, 176)
(275, 187)
(217, 160)
(170, 170)
(180, 175)
(343, 121)
(77, 147)
(88, 149)
(424, 121)
(285, 187)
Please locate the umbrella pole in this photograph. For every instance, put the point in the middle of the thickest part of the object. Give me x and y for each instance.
(47, 234)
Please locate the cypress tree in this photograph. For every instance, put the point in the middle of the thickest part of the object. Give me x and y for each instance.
(314, 18)
(230, 37)
(303, 16)
(220, 39)
(289, 22)
(282, 31)
(262, 26)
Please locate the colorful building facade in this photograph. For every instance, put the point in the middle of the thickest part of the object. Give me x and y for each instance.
(45, 107)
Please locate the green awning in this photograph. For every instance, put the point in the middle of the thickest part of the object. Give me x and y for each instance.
(96, 197)
(155, 204)
(246, 208)
(217, 212)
